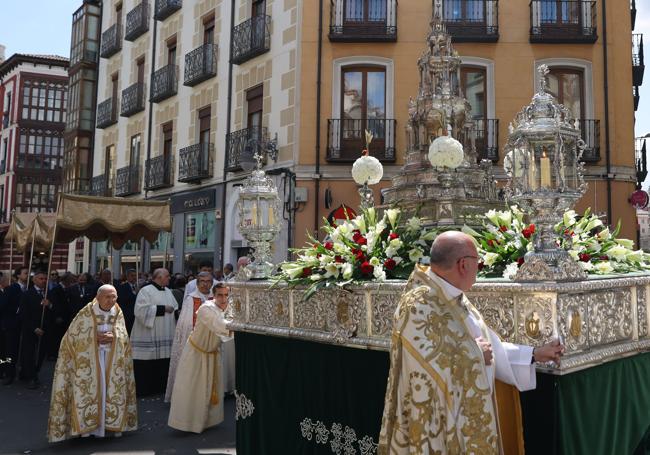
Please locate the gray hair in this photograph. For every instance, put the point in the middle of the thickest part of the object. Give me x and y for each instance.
(105, 287)
(158, 272)
(203, 275)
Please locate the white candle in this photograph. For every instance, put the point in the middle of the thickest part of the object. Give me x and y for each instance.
(532, 180)
(545, 170)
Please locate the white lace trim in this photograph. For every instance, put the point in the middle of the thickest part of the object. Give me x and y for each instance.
(343, 440)
(244, 407)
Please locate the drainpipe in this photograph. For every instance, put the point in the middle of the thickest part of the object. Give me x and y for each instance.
(318, 110)
(228, 119)
(153, 69)
(92, 134)
(608, 158)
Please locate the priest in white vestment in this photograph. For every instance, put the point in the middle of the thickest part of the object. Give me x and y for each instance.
(197, 399)
(430, 405)
(185, 324)
(153, 334)
(93, 391)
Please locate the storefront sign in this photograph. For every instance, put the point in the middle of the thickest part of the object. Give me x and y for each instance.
(196, 201)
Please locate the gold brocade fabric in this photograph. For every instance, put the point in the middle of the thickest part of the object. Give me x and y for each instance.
(75, 406)
(28, 226)
(438, 398)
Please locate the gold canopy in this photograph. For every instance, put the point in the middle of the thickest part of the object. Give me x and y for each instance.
(115, 219)
(24, 225)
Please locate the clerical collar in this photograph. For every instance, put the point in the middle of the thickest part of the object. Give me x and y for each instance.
(157, 286)
(451, 292)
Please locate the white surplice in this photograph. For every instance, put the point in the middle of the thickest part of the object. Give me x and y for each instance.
(184, 327)
(512, 361)
(152, 336)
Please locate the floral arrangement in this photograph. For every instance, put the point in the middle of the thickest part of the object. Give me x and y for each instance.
(367, 169)
(367, 247)
(506, 238)
(445, 151)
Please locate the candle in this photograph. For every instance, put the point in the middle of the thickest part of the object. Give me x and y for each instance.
(254, 215)
(532, 181)
(545, 170)
(271, 216)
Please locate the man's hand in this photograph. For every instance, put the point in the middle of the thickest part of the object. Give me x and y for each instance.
(169, 309)
(550, 351)
(486, 347)
(105, 338)
(39, 332)
(45, 302)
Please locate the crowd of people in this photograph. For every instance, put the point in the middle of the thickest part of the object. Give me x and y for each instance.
(125, 337)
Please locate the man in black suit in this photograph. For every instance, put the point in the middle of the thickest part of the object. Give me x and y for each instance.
(81, 294)
(60, 311)
(4, 302)
(126, 294)
(35, 316)
(11, 321)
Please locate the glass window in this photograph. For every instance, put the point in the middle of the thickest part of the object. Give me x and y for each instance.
(199, 231)
(364, 103)
(567, 85)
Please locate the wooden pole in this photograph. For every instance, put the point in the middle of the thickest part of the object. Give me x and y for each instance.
(166, 250)
(137, 269)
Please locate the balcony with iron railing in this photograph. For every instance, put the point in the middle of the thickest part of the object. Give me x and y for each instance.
(250, 39)
(111, 41)
(158, 173)
(137, 21)
(563, 21)
(127, 180)
(633, 13)
(164, 83)
(106, 113)
(357, 21)
(196, 163)
(638, 65)
(236, 143)
(3, 166)
(637, 97)
(590, 133)
(346, 139)
(486, 138)
(200, 64)
(5, 119)
(472, 20)
(165, 8)
(132, 99)
(100, 186)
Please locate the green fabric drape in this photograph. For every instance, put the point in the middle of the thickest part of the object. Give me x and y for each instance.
(289, 380)
(602, 410)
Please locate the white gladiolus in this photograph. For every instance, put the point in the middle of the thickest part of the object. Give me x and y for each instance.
(379, 273)
(492, 216)
(367, 169)
(291, 269)
(347, 271)
(505, 218)
(511, 270)
(593, 224)
(569, 218)
(604, 267)
(413, 224)
(392, 215)
(627, 243)
(445, 151)
(604, 234)
(331, 270)
(586, 266)
(635, 256)
(490, 258)
(618, 253)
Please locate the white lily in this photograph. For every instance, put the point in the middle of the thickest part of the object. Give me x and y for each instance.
(627, 243)
(569, 218)
(415, 254)
(618, 253)
(347, 271)
(392, 215)
(604, 267)
(490, 258)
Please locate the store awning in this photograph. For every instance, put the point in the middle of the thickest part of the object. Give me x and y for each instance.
(25, 225)
(115, 219)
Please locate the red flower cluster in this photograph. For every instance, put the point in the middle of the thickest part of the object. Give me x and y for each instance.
(328, 245)
(359, 239)
(366, 268)
(392, 236)
(358, 255)
(390, 264)
(306, 272)
(584, 257)
(338, 259)
(528, 232)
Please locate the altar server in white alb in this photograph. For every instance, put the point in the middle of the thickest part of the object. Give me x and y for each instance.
(197, 399)
(185, 324)
(153, 334)
(444, 361)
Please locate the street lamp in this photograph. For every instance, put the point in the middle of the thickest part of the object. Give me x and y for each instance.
(546, 179)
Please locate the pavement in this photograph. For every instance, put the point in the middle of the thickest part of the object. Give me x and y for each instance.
(23, 427)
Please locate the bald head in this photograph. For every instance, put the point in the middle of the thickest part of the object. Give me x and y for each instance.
(454, 258)
(105, 288)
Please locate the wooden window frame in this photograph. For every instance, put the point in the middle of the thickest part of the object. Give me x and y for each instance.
(555, 70)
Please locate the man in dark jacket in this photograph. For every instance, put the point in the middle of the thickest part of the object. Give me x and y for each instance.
(81, 294)
(4, 302)
(60, 311)
(11, 321)
(35, 316)
(126, 294)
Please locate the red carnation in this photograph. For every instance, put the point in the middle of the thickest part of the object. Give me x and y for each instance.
(359, 239)
(328, 245)
(366, 268)
(520, 261)
(528, 231)
(503, 228)
(338, 259)
(390, 264)
(584, 257)
(393, 236)
(358, 255)
(306, 272)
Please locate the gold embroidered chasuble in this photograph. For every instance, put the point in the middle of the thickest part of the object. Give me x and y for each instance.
(439, 397)
(75, 406)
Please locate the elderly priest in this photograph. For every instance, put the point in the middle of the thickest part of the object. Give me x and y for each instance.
(93, 391)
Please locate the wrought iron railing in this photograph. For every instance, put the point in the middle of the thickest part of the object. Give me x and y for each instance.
(363, 21)
(200, 64)
(638, 64)
(111, 41)
(164, 83)
(3, 166)
(137, 21)
(590, 132)
(346, 139)
(127, 180)
(236, 144)
(633, 13)
(637, 97)
(196, 162)
(106, 113)
(158, 172)
(165, 8)
(486, 138)
(472, 20)
(250, 39)
(563, 21)
(132, 99)
(5, 119)
(100, 186)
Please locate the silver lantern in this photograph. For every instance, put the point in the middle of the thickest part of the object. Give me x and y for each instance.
(542, 158)
(259, 219)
